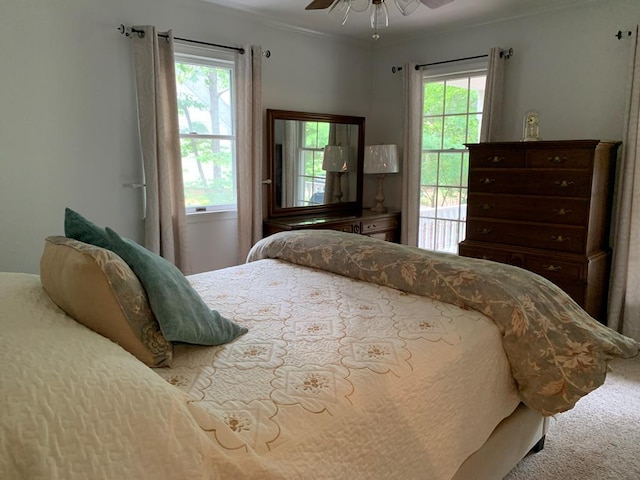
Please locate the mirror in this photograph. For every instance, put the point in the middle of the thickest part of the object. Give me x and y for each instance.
(315, 162)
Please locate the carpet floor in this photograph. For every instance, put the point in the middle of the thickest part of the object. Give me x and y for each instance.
(599, 439)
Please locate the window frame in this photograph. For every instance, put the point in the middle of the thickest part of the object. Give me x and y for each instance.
(302, 177)
(211, 56)
(447, 73)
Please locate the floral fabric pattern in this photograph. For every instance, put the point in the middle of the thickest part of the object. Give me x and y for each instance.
(130, 296)
(333, 368)
(557, 352)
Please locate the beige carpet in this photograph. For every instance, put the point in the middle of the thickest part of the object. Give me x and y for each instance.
(599, 439)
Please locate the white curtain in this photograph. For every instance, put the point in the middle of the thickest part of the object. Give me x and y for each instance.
(624, 296)
(411, 153)
(493, 93)
(249, 152)
(290, 148)
(165, 216)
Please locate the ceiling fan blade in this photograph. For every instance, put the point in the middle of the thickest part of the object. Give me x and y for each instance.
(319, 4)
(435, 3)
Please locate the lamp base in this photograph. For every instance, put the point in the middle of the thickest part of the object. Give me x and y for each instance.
(338, 188)
(379, 206)
(379, 209)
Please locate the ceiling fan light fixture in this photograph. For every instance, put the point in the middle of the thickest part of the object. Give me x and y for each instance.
(379, 12)
(407, 7)
(379, 15)
(360, 6)
(341, 9)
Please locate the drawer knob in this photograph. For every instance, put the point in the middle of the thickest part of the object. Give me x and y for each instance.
(488, 180)
(485, 231)
(560, 238)
(487, 206)
(564, 183)
(552, 268)
(496, 159)
(562, 211)
(557, 159)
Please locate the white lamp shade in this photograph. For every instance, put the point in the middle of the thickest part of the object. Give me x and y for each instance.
(337, 158)
(381, 159)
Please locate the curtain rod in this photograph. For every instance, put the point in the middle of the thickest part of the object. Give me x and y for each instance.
(125, 30)
(503, 54)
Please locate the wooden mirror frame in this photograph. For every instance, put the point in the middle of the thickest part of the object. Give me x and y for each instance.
(324, 209)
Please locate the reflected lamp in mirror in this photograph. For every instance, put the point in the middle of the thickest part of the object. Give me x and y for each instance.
(338, 161)
(380, 160)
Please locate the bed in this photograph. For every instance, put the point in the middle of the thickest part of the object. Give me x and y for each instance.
(352, 358)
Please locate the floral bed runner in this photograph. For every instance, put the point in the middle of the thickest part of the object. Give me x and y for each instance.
(557, 352)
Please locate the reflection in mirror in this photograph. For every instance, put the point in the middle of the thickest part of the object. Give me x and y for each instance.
(315, 161)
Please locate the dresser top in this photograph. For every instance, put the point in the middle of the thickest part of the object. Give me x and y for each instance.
(587, 143)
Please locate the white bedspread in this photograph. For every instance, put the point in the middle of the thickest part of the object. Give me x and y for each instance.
(74, 405)
(339, 378)
(336, 379)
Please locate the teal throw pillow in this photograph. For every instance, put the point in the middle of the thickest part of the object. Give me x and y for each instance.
(83, 230)
(181, 313)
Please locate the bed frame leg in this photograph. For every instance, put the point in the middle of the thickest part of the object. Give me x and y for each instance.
(538, 446)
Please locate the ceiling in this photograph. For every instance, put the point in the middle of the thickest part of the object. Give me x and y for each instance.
(292, 14)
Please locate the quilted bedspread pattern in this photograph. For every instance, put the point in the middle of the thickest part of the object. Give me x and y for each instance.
(334, 369)
(336, 379)
(557, 352)
(76, 406)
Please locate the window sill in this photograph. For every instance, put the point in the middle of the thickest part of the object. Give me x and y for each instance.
(211, 216)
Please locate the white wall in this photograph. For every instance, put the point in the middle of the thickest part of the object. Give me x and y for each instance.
(68, 129)
(567, 65)
(68, 126)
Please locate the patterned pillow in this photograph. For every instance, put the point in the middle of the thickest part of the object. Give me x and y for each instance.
(98, 289)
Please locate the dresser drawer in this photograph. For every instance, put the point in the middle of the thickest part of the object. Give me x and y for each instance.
(555, 268)
(560, 183)
(497, 158)
(569, 211)
(569, 276)
(562, 238)
(376, 225)
(348, 227)
(560, 158)
(485, 253)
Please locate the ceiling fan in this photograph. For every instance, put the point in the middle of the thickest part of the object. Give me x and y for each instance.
(379, 13)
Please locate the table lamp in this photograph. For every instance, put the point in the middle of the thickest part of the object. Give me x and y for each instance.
(337, 159)
(380, 160)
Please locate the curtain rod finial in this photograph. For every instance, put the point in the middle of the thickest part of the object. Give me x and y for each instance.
(127, 31)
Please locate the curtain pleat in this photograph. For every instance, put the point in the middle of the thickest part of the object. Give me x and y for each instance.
(290, 149)
(492, 108)
(165, 216)
(249, 152)
(624, 292)
(411, 153)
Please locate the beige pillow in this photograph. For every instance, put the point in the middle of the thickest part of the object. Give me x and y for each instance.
(98, 289)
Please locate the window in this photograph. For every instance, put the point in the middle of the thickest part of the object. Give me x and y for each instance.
(311, 177)
(205, 82)
(452, 115)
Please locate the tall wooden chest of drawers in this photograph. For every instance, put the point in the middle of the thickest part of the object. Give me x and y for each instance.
(546, 207)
